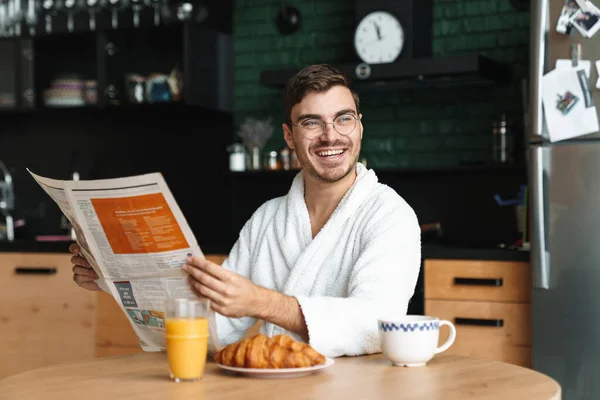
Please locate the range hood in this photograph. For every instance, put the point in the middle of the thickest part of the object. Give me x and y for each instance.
(470, 69)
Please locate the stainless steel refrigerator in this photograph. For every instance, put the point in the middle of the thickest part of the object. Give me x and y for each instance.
(564, 190)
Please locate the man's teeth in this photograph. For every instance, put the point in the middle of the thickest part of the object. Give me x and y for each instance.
(329, 153)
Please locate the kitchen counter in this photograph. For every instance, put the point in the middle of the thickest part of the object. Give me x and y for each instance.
(447, 252)
(429, 251)
(31, 246)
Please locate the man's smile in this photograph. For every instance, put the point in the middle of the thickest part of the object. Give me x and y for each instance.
(330, 153)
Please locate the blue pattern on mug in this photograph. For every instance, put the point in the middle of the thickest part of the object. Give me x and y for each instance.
(416, 326)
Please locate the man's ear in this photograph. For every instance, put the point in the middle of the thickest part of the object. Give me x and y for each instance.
(287, 135)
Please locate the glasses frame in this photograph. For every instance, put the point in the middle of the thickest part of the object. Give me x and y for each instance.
(324, 126)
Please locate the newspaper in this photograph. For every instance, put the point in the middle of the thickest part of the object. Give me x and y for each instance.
(136, 238)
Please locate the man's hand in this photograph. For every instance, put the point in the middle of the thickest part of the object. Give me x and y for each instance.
(83, 273)
(231, 294)
(234, 296)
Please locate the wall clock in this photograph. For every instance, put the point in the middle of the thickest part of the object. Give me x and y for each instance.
(391, 30)
(379, 38)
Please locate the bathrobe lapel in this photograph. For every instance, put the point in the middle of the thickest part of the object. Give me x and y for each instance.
(303, 254)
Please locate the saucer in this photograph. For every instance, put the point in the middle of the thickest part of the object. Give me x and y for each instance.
(278, 372)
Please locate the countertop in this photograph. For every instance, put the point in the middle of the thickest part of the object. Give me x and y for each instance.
(31, 246)
(446, 252)
(429, 251)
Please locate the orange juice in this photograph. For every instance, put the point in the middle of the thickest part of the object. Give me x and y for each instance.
(187, 347)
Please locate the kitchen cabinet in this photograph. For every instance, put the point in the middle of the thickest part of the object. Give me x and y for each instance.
(16, 74)
(180, 64)
(114, 334)
(45, 318)
(487, 301)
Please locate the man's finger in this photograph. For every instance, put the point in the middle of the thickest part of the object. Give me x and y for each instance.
(85, 271)
(206, 279)
(205, 291)
(219, 309)
(91, 285)
(210, 268)
(77, 260)
(74, 248)
(83, 278)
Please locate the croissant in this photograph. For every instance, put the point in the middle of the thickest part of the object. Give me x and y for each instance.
(259, 351)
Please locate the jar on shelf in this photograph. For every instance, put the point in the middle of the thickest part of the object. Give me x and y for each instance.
(237, 157)
(272, 161)
(285, 158)
(254, 159)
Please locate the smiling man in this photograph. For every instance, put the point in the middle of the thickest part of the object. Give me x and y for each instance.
(323, 262)
(338, 251)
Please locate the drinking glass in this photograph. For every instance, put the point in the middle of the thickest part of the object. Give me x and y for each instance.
(187, 335)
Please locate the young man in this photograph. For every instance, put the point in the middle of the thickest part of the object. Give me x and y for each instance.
(323, 262)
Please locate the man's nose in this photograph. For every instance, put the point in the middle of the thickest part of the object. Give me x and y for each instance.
(330, 133)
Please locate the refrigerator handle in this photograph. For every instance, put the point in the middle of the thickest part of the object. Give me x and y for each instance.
(540, 262)
(539, 25)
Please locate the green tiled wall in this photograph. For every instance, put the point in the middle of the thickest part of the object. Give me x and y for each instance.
(403, 128)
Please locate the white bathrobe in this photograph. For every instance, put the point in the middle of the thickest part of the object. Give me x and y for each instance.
(362, 265)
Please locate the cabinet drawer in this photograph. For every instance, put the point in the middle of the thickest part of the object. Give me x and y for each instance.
(45, 318)
(477, 280)
(498, 331)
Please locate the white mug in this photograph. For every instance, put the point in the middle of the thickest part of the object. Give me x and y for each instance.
(412, 340)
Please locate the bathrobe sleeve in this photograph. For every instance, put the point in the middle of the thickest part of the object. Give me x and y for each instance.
(381, 284)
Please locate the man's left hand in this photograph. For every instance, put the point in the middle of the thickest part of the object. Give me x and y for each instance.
(231, 294)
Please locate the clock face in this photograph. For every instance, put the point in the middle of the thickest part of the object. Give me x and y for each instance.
(379, 38)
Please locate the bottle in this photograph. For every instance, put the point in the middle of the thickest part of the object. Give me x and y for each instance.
(285, 158)
(237, 157)
(499, 141)
(272, 161)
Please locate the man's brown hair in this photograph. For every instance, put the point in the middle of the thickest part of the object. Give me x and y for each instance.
(314, 78)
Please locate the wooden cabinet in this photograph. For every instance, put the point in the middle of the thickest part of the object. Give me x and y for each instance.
(45, 318)
(114, 334)
(487, 301)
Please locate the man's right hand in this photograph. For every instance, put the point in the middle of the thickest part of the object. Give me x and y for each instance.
(83, 273)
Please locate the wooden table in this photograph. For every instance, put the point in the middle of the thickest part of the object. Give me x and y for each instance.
(145, 376)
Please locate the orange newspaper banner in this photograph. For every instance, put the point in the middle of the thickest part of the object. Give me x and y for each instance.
(139, 224)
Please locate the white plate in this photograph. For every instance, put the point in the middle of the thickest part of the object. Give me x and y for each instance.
(278, 372)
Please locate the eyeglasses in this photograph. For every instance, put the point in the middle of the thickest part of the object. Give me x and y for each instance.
(314, 127)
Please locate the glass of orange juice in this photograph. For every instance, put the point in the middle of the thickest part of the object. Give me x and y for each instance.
(186, 337)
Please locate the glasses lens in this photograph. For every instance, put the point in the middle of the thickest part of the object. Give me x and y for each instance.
(345, 124)
(312, 128)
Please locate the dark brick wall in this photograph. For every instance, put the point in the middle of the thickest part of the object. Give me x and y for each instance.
(407, 128)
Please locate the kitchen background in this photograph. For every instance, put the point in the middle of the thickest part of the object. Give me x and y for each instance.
(433, 145)
(404, 128)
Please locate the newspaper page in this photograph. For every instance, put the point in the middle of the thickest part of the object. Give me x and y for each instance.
(136, 238)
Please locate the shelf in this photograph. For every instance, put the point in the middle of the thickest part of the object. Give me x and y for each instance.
(166, 108)
(264, 173)
(88, 70)
(517, 167)
(450, 71)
